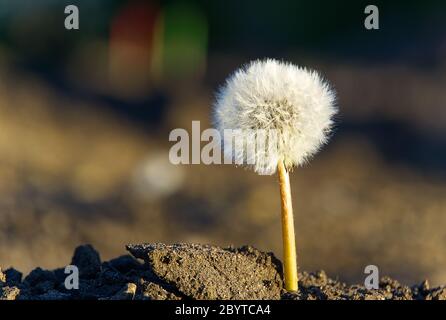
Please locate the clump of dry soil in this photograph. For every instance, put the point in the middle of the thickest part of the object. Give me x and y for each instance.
(192, 271)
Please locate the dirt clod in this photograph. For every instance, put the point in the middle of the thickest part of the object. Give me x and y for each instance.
(87, 259)
(13, 276)
(126, 293)
(208, 272)
(153, 291)
(2, 277)
(9, 293)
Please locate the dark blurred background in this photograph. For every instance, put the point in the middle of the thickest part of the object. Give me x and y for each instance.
(85, 116)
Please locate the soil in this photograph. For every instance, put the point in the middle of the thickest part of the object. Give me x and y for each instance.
(191, 271)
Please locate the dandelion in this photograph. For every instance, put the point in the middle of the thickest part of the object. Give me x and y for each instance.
(294, 103)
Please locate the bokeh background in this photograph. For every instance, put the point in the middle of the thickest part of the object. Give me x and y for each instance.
(85, 116)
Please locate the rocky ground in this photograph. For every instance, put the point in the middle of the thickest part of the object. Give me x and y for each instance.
(190, 271)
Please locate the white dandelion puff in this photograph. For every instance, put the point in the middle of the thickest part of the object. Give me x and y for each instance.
(273, 96)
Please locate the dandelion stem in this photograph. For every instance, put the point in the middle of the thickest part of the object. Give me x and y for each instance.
(289, 242)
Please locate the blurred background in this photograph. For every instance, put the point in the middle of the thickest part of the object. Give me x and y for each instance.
(85, 117)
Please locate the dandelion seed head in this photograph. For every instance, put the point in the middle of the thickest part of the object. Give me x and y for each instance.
(269, 95)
